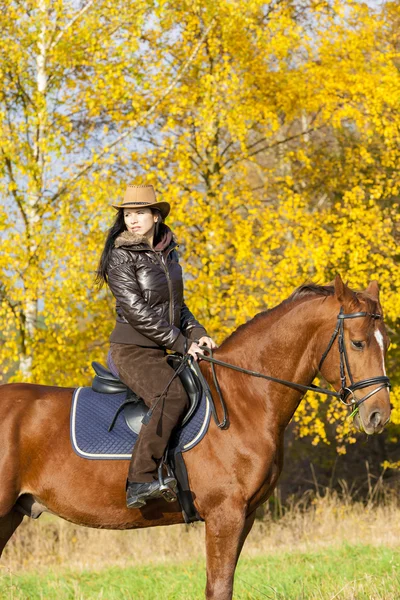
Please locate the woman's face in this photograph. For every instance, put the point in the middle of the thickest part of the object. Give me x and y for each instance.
(140, 221)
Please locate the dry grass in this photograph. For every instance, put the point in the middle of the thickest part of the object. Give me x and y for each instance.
(315, 521)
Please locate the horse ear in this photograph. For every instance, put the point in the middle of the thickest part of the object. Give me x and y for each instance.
(373, 290)
(343, 293)
(339, 288)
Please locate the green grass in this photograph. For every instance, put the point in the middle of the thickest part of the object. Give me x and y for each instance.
(347, 572)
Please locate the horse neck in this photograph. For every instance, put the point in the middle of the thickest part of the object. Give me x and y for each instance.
(283, 344)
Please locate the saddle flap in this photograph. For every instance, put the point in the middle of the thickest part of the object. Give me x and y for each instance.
(134, 413)
(190, 382)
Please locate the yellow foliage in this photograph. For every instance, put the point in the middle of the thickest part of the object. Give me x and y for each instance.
(276, 144)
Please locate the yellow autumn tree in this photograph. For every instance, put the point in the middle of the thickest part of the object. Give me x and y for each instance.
(75, 86)
(279, 152)
(273, 135)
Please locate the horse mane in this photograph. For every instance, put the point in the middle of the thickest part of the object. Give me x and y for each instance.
(310, 289)
(303, 292)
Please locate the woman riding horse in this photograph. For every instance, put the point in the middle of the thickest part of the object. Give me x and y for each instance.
(140, 264)
(328, 329)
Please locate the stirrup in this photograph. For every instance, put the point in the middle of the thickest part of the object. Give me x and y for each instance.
(169, 486)
(169, 490)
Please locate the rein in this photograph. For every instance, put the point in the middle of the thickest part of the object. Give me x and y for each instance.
(346, 390)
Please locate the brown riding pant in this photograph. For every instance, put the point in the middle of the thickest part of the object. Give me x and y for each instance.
(146, 372)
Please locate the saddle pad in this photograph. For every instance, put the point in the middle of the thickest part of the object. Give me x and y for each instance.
(92, 413)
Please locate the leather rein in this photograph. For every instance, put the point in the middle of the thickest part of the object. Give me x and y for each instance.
(344, 393)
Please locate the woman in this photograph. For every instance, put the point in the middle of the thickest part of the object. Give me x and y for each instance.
(140, 264)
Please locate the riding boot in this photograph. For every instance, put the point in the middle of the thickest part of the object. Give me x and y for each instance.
(137, 494)
(146, 371)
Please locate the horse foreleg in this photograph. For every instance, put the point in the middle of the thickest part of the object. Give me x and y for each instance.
(226, 532)
(8, 524)
(248, 524)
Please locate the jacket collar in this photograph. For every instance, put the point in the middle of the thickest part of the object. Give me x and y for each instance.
(130, 238)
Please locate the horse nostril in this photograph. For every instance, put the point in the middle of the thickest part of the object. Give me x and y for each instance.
(375, 418)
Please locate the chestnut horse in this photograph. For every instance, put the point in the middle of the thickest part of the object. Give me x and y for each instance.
(231, 471)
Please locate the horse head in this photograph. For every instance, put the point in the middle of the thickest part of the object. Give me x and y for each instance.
(357, 367)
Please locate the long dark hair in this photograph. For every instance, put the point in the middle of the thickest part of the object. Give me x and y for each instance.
(115, 230)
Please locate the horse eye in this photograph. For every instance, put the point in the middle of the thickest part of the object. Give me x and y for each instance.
(357, 345)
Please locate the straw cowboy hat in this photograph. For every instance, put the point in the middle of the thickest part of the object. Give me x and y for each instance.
(137, 196)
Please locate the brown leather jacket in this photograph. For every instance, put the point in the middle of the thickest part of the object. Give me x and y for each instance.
(148, 288)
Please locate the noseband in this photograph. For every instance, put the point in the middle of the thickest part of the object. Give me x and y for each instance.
(347, 391)
(343, 395)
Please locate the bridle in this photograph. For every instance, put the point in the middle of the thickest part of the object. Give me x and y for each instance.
(344, 393)
(346, 390)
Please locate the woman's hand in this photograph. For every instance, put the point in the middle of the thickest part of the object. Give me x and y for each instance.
(207, 341)
(195, 349)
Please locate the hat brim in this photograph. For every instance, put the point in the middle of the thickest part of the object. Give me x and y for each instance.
(163, 207)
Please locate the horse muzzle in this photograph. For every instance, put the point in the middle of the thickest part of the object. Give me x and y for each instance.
(374, 422)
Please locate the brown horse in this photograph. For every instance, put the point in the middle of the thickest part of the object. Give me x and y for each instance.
(231, 471)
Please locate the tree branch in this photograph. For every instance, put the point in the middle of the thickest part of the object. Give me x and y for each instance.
(285, 141)
(7, 300)
(71, 22)
(137, 122)
(17, 199)
(270, 146)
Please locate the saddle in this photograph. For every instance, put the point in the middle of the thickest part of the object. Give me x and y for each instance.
(133, 407)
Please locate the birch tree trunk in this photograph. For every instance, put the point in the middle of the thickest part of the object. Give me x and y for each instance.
(34, 195)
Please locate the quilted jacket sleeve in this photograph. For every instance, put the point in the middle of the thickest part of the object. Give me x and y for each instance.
(189, 325)
(123, 284)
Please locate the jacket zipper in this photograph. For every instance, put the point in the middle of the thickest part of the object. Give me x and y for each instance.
(171, 301)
